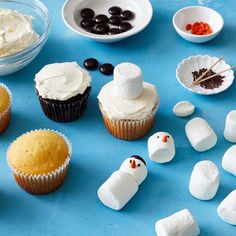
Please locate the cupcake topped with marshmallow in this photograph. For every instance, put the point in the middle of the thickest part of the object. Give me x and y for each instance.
(128, 98)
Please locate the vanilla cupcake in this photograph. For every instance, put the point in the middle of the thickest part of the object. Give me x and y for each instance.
(63, 90)
(5, 107)
(39, 160)
(128, 104)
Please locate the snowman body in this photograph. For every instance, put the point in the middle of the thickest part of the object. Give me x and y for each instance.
(123, 184)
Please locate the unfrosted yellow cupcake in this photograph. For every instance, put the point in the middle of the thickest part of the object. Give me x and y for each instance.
(5, 107)
(39, 160)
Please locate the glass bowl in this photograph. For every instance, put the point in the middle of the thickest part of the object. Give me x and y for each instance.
(41, 24)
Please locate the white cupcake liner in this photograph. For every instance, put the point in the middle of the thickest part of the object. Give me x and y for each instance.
(45, 183)
(127, 129)
(5, 115)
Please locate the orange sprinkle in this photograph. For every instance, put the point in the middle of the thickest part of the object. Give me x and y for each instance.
(199, 28)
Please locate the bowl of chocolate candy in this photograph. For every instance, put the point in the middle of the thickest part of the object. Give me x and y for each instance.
(206, 75)
(107, 20)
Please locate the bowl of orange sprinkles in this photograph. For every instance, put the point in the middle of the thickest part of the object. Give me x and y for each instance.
(198, 24)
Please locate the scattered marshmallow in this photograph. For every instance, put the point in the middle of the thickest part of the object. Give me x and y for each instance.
(229, 160)
(123, 183)
(128, 81)
(200, 134)
(161, 147)
(181, 223)
(204, 181)
(230, 127)
(183, 109)
(227, 209)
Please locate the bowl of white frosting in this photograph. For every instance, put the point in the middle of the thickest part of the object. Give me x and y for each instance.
(25, 26)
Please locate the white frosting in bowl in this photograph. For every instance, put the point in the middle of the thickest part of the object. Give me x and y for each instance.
(62, 81)
(16, 32)
(118, 108)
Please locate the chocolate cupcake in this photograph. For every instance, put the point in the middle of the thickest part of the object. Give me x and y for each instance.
(63, 90)
(128, 105)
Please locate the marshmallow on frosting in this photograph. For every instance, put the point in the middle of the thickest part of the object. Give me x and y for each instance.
(181, 223)
(227, 209)
(230, 127)
(161, 147)
(127, 96)
(123, 183)
(229, 160)
(128, 81)
(200, 135)
(204, 181)
(62, 81)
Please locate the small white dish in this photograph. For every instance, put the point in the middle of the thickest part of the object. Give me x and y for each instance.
(142, 9)
(194, 63)
(196, 14)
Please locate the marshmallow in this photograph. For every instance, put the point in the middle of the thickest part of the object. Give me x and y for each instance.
(200, 135)
(123, 184)
(229, 160)
(181, 223)
(227, 209)
(128, 81)
(230, 127)
(161, 147)
(183, 109)
(204, 181)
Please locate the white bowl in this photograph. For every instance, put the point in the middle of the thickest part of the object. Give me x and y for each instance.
(142, 9)
(194, 63)
(196, 14)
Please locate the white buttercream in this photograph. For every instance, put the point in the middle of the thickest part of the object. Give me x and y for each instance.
(16, 32)
(118, 108)
(62, 81)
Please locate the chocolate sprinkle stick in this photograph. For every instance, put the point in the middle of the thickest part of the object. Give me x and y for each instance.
(196, 82)
(212, 76)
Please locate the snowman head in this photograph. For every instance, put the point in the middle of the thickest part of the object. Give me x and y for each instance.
(161, 147)
(136, 167)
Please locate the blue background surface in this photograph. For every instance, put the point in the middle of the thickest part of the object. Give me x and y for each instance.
(75, 209)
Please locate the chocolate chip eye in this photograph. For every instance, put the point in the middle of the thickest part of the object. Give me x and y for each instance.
(168, 136)
(130, 161)
(139, 165)
(158, 136)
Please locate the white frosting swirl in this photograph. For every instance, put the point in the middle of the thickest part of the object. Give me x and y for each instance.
(16, 32)
(62, 81)
(118, 108)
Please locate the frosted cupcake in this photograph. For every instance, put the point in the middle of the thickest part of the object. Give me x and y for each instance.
(128, 104)
(39, 160)
(5, 107)
(63, 90)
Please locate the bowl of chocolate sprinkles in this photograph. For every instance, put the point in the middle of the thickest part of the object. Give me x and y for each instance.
(194, 67)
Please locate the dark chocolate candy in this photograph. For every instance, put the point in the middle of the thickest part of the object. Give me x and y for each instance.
(127, 15)
(99, 19)
(124, 26)
(106, 69)
(114, 10)
(102, 28)
(87, 23)
(115, 20)
(113, 31)
(91, 64)
(87, 13)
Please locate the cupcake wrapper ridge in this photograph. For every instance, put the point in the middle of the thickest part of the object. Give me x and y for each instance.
(5, 116)
(45, 183)
(65, 111)
(129, 129)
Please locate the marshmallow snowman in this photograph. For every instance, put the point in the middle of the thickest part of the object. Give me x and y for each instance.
(227, 209)
(161, 147)
(181, 223)
(128, 81)
(123, 183)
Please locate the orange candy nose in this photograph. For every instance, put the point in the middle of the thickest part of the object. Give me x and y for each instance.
(133, 164)
(165, 138)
